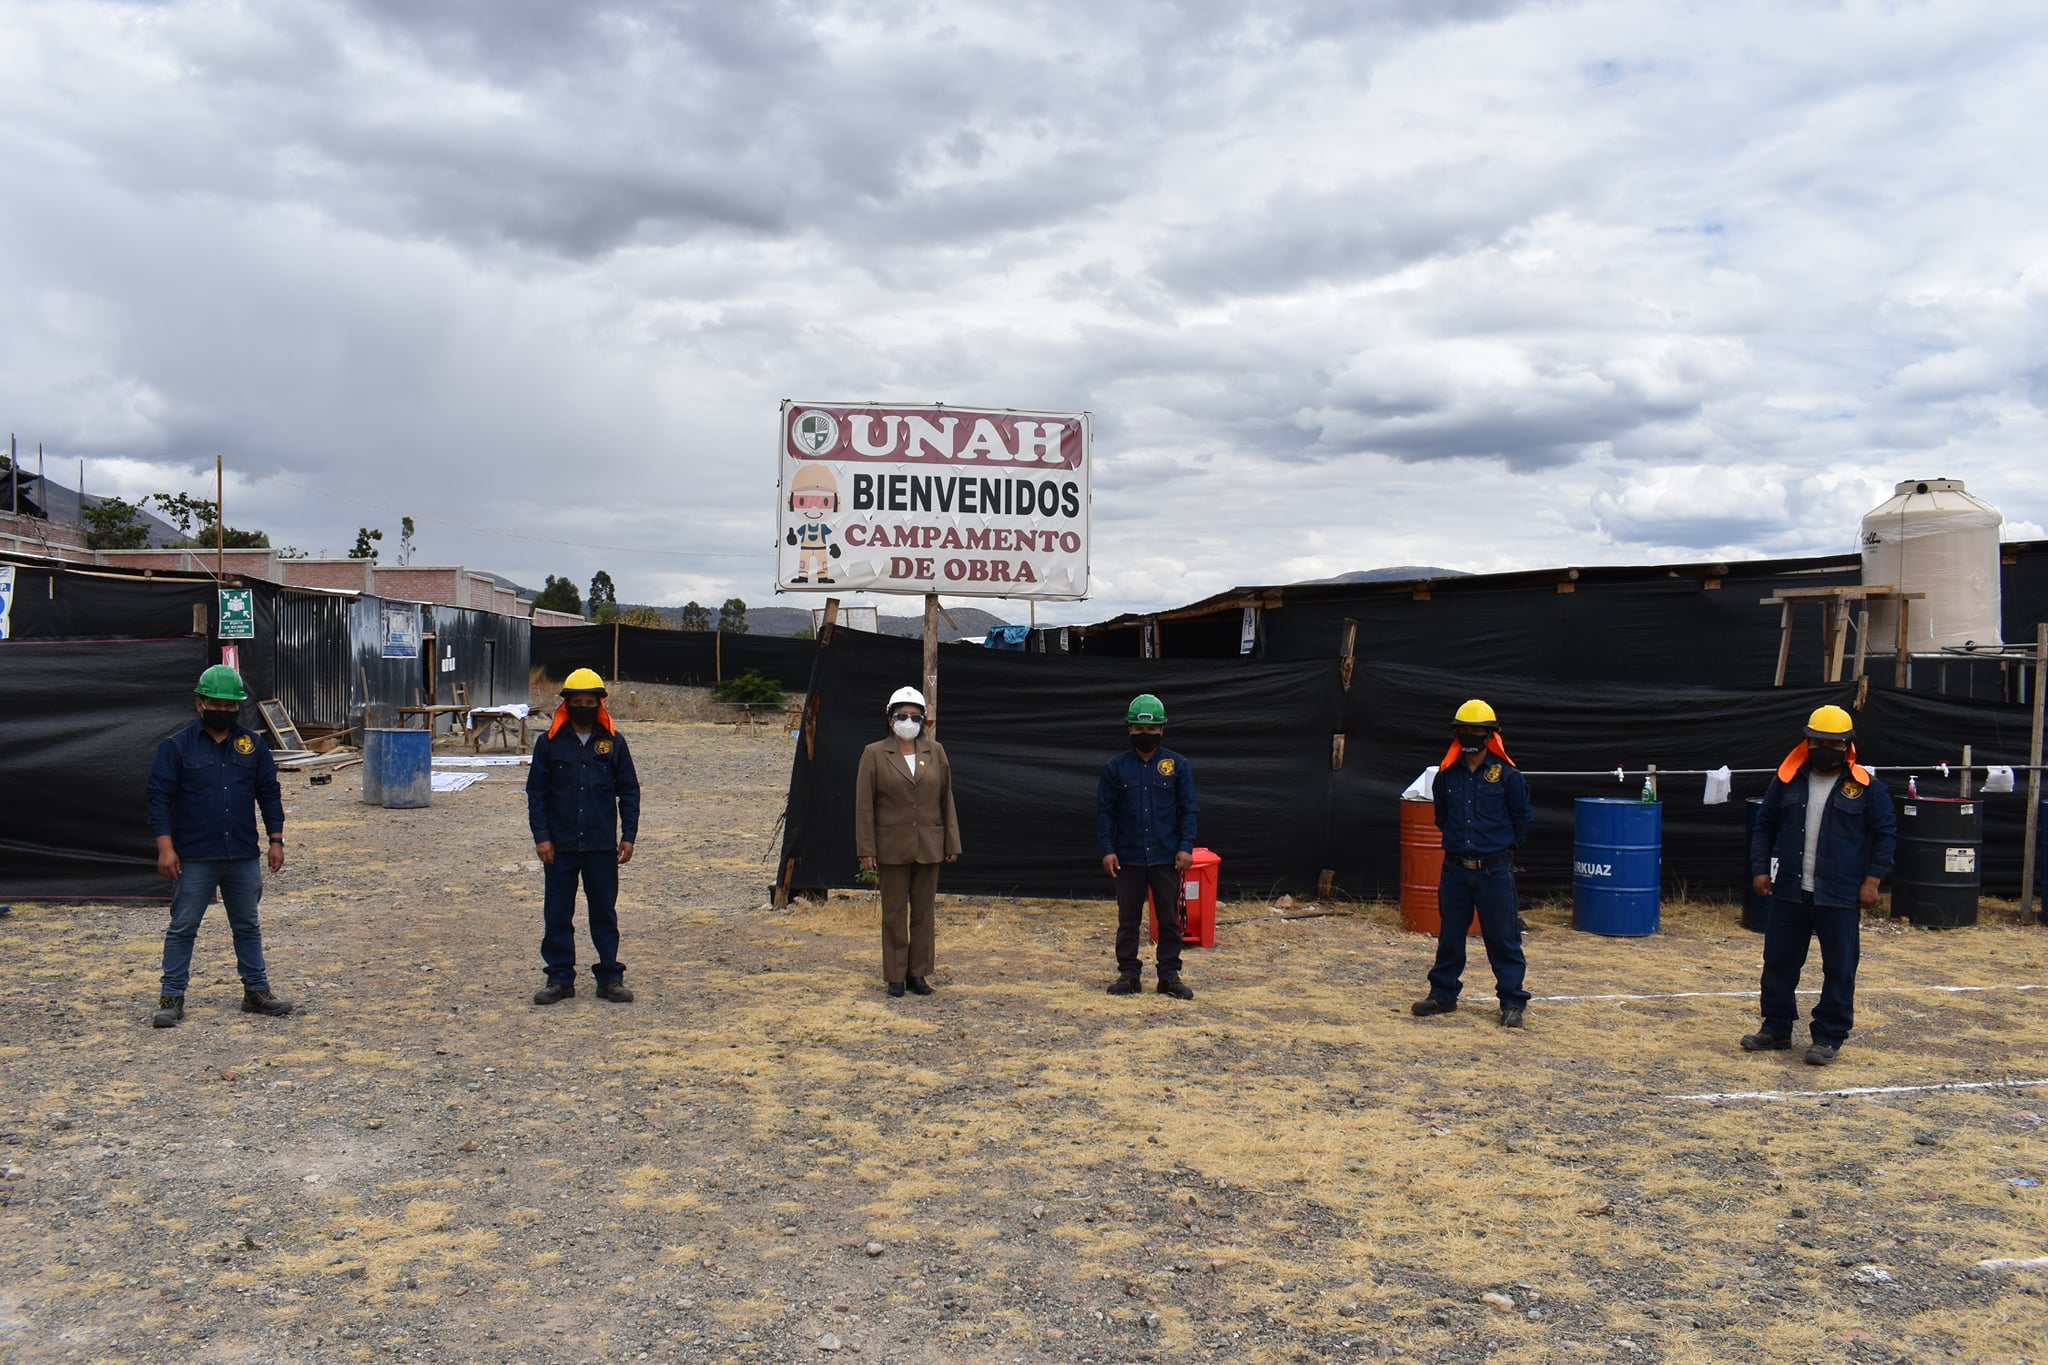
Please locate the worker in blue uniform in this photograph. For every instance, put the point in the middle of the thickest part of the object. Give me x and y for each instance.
(583, 804)
(1145, 812)
(205, 787)
(1823, 844)
(1482, 807)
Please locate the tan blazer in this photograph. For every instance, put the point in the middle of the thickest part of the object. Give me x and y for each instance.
(898, 818)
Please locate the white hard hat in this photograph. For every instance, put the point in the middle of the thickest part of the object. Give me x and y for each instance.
(907, 694)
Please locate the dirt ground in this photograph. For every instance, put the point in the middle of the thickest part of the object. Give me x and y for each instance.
(766, 1159)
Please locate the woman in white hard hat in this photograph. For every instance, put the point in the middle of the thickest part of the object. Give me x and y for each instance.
(904, 826)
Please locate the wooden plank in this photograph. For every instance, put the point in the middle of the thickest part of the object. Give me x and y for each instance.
(1900, 663)
(1840, 621)
(1336, 751)
(1784, 641)
(1827, 637)
(1346, 650)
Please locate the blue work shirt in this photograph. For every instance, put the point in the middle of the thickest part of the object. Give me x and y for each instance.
(1145, 808)
(1859, 833)
(579, 794)
(204, 793)
(1482, 813)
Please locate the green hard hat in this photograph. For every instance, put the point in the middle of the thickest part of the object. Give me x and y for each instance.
(1145, 709)
(222, 684)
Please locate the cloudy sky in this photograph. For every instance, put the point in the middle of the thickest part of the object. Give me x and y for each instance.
(1345, 283)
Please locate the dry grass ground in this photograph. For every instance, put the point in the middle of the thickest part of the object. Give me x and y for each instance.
(422, 1165)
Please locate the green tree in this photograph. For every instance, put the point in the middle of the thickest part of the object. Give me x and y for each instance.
(732, 617)
(696, 617)
(644, 616)
(197, 520)
(606, 615)
(405, 542)
(364, 549)
(114, 524)
(603, 593)
(559, 594)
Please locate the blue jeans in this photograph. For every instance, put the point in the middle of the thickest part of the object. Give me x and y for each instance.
(1491, 891)
(240, 883)
(1789, 927)
(598, 870)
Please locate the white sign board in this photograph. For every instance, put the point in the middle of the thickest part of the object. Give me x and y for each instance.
(401, 630)
(6, 597)
(969, 502)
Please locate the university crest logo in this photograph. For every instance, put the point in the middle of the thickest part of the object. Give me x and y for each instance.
(1492, 773)
(244, 745)
(603, 746)
(1166, 767)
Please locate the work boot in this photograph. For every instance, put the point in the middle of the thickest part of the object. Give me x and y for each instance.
(614, 991)
(1175, 987)
(918, 985)
(263, 1002)
(554, 991)
(169, 1010)
(1510, 1017)
(1765, 1042)
(1822, 1054)
(895, 990)
(1125, 985)
(1422, 1009)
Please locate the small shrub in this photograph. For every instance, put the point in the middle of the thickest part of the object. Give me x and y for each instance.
(749, 687)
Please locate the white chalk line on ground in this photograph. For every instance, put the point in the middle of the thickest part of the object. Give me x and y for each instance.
(2008, 1263)
(1751, 995)
(1860, 1091)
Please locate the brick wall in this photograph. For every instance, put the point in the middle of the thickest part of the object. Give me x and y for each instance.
(440, 584)
(351, 575)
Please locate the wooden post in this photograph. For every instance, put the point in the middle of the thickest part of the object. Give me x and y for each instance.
(1862, 634)
(1784, 640)
(718, 656)
(1901, 665)
(220, 521)
(1347, 650)
(1336, 751)
(1841, 638)
(783, 883)
(1966, 772)
(615, 652)
(1827, 638)
(2029, 864)
(931, 661)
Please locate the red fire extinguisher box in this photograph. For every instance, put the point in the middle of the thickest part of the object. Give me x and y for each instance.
(1198, 888)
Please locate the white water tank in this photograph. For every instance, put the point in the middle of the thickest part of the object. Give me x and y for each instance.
(1933, 537)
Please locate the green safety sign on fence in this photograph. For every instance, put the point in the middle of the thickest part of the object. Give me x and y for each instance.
(237, 614)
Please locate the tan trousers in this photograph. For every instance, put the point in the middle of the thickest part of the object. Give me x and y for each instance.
(908, 892)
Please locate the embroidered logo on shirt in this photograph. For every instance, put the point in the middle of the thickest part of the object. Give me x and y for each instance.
(1851, 791)
(244, 745)
(1166, 767)
(603, 746)
(1492, 773)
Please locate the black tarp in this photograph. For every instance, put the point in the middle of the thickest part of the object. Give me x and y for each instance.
(1028, 733)
(79, 723)
(689, 658)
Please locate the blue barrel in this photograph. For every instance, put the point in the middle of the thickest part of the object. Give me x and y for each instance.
(398, 768)
(1617, 866)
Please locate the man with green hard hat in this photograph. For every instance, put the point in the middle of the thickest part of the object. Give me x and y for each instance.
(1145, 823)
(205, 787)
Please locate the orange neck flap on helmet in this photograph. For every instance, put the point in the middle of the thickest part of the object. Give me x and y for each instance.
(604, 720)
(1796, 760)
(1493, 746)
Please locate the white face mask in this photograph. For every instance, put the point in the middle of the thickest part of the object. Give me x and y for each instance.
(908, 729)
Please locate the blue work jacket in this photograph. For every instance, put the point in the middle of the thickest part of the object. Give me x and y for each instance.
(1482, 813)
(1145, 808)
(578, 795)
(204, 793)
(1859, 833)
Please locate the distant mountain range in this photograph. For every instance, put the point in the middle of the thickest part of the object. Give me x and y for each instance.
(788, 621)
(1398, 574)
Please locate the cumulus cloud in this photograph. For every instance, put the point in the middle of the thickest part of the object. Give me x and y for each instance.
(1487, 284)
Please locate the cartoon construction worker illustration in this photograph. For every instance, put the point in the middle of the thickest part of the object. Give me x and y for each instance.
(813, 495)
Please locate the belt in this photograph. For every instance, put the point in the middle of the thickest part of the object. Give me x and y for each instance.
(1475, 864)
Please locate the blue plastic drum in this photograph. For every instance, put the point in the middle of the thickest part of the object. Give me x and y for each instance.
(1617, 866)
(398, 768)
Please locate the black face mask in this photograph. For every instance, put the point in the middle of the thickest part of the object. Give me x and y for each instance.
(1825, 761)
(1145, 744)
(220, 722)
(583, 717)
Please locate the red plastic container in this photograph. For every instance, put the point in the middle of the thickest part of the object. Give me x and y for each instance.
(1422, 862)
(1198, 885)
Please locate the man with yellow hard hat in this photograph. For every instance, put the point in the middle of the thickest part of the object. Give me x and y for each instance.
(1483, 809)
(1824, 840)
(583, 804)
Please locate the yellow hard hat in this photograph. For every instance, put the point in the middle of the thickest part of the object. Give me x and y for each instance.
(1475, 712)
(584, 680)
(1830, 722)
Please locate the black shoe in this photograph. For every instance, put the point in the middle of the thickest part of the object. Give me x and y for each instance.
(1422, 1009)
(895, 989)
(1175, 987)
(918, 985)
(1510, 1017)
(169, 1010)
(263, 1002)
(554, 991)
(1764, 1042)
(1125, 985)
(614, 991)
(1822, 1054)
